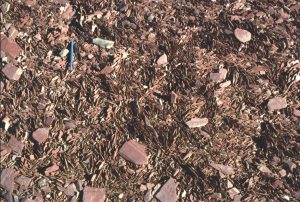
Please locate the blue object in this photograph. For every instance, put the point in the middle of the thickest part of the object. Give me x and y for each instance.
(71, 55)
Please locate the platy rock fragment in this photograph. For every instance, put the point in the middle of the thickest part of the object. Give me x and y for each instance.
(197, 122)
(162, 60)
(264, 169)
(168, 192)
(51, 169)
(40, 135)
(277, 103)
(91, 194)
(10, 48)
(242, 35)
(134, 152)
(220, 76)
(23, 181)
(15, 145)
(103, 43)
(12, 72)
(7, 179)
(226, 170)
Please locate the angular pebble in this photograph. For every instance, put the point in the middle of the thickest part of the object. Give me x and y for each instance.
(226, 170)
(197, 122)
(242, 35)
(220, 76)
(12, 72)
(91, 194)
(70, 190)
(10, 48)
(162, 60)
(277, 103)
(7, 179)
(40, 135)
(134, 152)
(168, 192)
(23, 181)
(15, 145)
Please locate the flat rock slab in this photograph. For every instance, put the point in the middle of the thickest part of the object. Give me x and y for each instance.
(15, 145)
(12, 72)
(220, 76)
(91, 194)
(226, 170)
(7, 179)
(168, 192)
(10, 48)
(197, 122)
(134, 152)
(40, 135)
(277, 103)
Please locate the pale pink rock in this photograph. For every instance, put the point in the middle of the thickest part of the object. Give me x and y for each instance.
(134, 152)
(242, 35)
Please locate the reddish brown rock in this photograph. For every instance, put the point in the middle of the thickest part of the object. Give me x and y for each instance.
(15, 145)
(51, 169)
(296, 112)
(134, 152)
(10, 48)
(277, 103)
(91, 194)
(23, 181)
(41, 135)
(242, 35)
(12, 72)
(30, 2)
(70, 190)
(7, 179)
(107, 70)
(226, 170)
(220, 76)
(168, 192)
(197, 122)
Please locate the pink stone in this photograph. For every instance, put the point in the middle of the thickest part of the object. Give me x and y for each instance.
(134, 152)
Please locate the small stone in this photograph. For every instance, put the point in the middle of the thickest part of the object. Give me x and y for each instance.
(220, 76)
(173, 97)
(197, 122)
(264, 169)
(51, 169)
(296, 112)
(41, 135)
(12, 32)
(226, 170)
(15, 145)
(12, 72)
(10, 48)
(233, 192)
(91, 194)
(5, 120)
(63, 53)
(168, 192)
(30, 3)
(277, 103)
(23, 181)
(162, 60)
(42, 183)
(7, 179)
(70, 190)
(38, 36)
(282, 173)
(242, 35)
(134, 152)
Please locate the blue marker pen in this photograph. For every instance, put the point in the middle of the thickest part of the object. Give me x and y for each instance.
(71, 55)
